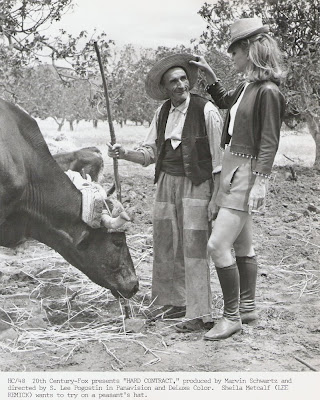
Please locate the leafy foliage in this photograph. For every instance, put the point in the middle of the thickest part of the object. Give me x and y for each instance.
(296, 26)
(25, 45)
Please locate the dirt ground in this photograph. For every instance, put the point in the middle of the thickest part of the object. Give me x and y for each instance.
(52, 318)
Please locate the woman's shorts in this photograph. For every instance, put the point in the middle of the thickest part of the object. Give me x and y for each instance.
(236, 181)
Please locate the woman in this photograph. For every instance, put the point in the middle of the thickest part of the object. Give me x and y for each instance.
(250, 138)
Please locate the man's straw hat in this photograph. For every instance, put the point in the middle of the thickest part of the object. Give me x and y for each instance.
(246, 27)
(153, 87)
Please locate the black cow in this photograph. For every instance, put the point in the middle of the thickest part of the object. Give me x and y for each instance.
(38, 200)
(87, 160)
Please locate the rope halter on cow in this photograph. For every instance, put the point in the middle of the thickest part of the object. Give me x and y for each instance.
(96, 204)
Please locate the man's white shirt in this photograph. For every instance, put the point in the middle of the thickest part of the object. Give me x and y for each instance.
(174, 128)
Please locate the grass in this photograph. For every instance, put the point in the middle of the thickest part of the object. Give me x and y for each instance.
(61, 309)
(85, 134)
(297, 145)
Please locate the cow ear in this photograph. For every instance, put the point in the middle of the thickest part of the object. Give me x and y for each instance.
(82, 241)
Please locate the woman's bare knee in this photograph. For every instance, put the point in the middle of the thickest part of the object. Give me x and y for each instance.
(216, 248)
(226, 229)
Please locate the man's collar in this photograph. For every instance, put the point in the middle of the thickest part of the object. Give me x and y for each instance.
(183, 107)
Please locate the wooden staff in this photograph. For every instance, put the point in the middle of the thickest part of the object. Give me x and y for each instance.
(113, 141)
(111, 128)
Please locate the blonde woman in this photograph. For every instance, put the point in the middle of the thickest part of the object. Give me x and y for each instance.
(250, 138)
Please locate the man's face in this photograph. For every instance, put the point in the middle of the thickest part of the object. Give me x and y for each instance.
(176, 84)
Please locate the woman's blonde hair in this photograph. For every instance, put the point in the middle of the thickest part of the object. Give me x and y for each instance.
(265, 57)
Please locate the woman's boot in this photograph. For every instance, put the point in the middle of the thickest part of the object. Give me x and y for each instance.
(248, 268)
(230, 322)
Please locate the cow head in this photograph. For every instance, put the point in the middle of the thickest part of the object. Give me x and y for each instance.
(106, 260)
(39, 201)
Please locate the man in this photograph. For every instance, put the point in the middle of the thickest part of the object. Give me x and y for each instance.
(183, 141)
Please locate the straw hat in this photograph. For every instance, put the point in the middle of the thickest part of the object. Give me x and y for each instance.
(246, 27)
(153, 87)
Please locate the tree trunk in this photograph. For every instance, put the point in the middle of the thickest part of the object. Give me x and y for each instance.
(313, 122)
(71, 125)
(317, 142)
(60, 125)
(95, 123)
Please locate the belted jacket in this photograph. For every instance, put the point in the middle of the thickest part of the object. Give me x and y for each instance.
(195, 149)
(257, 122)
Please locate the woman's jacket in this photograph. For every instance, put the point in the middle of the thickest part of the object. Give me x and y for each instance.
(257, 122)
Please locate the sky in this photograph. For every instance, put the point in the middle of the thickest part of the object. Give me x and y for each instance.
(146, 23)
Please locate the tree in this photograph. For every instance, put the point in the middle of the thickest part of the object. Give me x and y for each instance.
(296, 26)
(24, 45)
(21, 23)
(43, 94)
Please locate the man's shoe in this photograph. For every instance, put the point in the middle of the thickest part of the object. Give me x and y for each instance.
(224, 328)
(165, 312)
(249, 316)
(192, 325)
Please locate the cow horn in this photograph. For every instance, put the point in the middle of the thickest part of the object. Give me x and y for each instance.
(114, 222)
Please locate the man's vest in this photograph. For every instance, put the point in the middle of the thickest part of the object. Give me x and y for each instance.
(195, 150)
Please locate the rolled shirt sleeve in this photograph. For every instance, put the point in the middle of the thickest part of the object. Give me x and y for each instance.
(214, 125)
(148, 147)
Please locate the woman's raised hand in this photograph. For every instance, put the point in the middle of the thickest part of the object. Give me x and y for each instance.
(202, 64)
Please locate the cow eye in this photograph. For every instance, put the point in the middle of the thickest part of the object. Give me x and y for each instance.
(117, 242)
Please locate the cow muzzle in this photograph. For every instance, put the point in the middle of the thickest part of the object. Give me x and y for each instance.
(126, 293)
